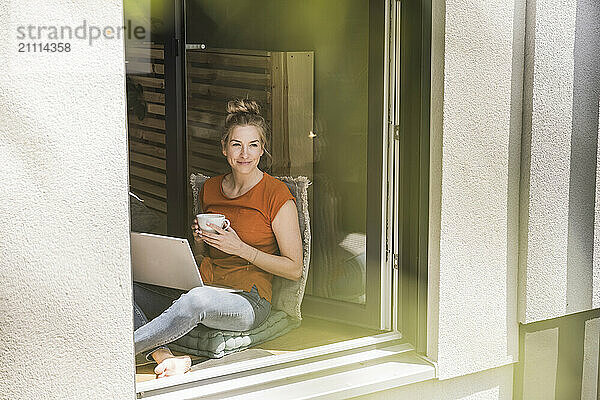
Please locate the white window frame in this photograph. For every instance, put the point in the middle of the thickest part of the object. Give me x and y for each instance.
(343, 369)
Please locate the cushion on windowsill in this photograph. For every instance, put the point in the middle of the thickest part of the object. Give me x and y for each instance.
(214, 343)
(287, 294)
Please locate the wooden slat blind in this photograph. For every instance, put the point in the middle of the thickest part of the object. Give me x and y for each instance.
(213, 78)
(147, 137)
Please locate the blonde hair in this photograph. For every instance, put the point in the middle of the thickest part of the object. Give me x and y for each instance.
(245, 112)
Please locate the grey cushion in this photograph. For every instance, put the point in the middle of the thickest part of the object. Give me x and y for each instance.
(287, 294)
(215, 343)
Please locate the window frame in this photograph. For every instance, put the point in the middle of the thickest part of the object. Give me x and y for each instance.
(329, 364)
(175, 120)
(393, 315)
(413, 107)
(409, 135)
(376, 313)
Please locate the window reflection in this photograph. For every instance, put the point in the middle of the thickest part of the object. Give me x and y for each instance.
(318, 112)
(146, 113)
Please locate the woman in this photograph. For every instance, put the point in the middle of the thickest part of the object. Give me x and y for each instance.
(263, 240)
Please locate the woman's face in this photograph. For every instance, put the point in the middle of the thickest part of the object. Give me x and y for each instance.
(243, 149)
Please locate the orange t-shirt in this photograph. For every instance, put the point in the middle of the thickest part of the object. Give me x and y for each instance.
(251, 215)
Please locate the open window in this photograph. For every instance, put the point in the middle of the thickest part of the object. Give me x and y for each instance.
(328, 76)
(312, 68)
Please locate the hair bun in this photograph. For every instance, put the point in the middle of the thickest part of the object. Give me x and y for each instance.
(243, 106)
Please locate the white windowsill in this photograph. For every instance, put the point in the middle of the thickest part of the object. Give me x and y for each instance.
(340, 370)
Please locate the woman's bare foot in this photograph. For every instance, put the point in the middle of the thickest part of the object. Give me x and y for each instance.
(173, 366)
(168, 364)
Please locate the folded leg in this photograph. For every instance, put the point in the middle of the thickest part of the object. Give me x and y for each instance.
(213, 308)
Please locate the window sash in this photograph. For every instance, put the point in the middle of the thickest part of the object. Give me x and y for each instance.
(380, 237)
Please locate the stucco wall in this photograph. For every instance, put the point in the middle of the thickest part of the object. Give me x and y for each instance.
(66, 320)
(560, 135)
(475, 144)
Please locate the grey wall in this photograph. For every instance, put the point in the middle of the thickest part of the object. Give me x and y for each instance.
(477, 69)
(66, 327)
(560, 138)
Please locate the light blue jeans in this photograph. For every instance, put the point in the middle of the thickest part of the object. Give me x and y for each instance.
(162, 315)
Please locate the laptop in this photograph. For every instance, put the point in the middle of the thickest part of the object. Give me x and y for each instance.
(165, 261)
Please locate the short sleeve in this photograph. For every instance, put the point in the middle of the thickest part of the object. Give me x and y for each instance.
(279, 196)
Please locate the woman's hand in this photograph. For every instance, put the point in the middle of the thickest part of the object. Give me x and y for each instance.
(200, 249)
(196, 231)
(173, 366)
(226, 240)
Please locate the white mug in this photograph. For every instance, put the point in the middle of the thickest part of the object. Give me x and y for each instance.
(215, 219)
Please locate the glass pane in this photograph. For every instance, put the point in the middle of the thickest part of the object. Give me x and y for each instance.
(144, 53)
(306, 63)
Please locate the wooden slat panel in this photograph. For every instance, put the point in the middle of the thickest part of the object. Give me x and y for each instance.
(156, 204)
(156, 109)
(205, 171)
(150, 136)
(228, 60)
(139, 60)
(148, 122)
(210, 149)
(158, 177)
(147, 149)
(212, 79)
(207, 141)
(154, 97)
(205, 151)
(148, 160)
(147, 82)
(138, 66)
(155, 190)
(219, 106)
(206, 163)
(205, 133)
(300, 112)
(143, 53)
(247, 78)
(279, 125)
(205, 117)
(226, 93)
